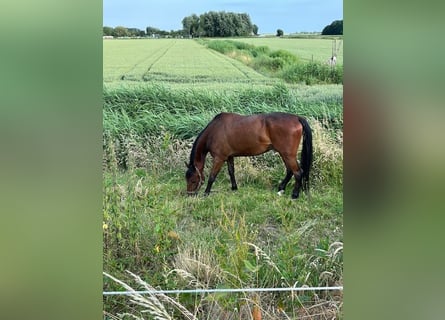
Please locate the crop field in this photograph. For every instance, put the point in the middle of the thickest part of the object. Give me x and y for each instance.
(158, 95)
(172, 60)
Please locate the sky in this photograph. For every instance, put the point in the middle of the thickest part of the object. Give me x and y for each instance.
(269, 15)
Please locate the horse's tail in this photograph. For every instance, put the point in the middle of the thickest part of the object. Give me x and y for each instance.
(306, 153)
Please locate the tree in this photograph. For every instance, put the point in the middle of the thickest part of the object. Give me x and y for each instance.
(195, 25)
(206, 25)
(218, 24)
(151, 31)
(335, 28)
(120, 32)
(255, 29)
(280, 33)
(247, 29)
(190, 25)
(107, 31)
(135, 32)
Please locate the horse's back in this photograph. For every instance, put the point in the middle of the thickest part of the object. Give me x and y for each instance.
(238, 125)
(236, 122)
(230, 117)
(282, 117)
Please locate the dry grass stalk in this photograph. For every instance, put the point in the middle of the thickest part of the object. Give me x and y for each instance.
(259, 253)
(152, 302)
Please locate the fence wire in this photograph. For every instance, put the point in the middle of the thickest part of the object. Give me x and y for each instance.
(223, 290)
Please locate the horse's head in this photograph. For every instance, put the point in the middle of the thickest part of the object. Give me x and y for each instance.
(194, 179)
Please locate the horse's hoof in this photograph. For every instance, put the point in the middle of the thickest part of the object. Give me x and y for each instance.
(280, 193)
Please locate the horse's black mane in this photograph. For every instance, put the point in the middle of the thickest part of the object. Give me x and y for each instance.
(193, 153)
(195, 144)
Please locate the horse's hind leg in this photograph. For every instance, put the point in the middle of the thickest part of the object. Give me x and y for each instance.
(285, 181)
(231, 167)
(296, 191)
(292, 167)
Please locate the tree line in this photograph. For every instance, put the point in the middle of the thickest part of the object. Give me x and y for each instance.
(209, 24)
(121, 31)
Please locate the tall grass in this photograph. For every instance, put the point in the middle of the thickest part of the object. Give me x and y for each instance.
(278, 63)
(150, 109)
(312, 73)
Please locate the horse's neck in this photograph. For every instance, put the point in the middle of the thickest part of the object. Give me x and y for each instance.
(200, 153)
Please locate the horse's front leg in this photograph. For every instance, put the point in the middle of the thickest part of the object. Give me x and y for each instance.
(231, 168)
(217, 164)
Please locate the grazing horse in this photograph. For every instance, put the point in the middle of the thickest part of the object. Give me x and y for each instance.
(231, 135)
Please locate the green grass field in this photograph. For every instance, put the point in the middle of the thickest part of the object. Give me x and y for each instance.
(158, 95)
(307, 49)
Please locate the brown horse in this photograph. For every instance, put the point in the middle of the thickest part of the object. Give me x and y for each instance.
(231, 135)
